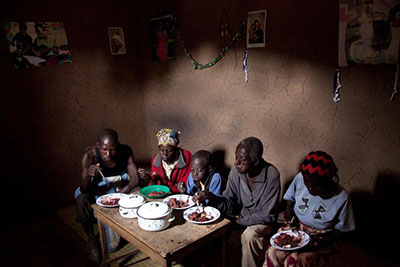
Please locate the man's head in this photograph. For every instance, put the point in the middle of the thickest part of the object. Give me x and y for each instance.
(248, 154)
(107, 143)
(319, 172)
(40, 30)
(22, 27)
(201, 165)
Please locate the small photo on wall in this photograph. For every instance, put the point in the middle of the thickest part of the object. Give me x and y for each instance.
(37, 43)
(117, 40)
(256, 22)
(163, 41)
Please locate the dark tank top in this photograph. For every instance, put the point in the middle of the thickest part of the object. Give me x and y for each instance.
(121, 160)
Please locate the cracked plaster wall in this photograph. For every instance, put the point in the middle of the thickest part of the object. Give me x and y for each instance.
(53, 113)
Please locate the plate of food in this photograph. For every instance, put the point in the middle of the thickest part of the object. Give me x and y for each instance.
(110, 200)
(201, 215)
(179, 202)
(155, 191)
(289, 240)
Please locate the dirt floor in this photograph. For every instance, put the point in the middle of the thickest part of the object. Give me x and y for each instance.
(56, 240)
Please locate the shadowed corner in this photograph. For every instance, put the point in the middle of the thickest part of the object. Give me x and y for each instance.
(375, 215)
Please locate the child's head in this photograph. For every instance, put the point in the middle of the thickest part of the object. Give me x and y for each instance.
(201, 165)
(319, 172)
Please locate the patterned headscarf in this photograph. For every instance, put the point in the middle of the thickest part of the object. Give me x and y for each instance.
(168, 137)
(318, 163)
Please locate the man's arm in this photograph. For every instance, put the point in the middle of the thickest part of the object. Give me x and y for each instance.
(229, 202)
(133, 174)
(89, 170)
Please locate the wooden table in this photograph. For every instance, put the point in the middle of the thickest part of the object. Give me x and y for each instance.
(165, 246)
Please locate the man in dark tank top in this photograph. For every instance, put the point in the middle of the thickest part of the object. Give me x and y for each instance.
(110, 158)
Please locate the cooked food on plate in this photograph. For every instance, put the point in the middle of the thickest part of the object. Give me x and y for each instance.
(200, 216)
(287, 241)
(155, 193)
(108, 200)
(178, 203)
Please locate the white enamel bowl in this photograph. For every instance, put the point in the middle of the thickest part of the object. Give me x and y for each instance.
(154, 216)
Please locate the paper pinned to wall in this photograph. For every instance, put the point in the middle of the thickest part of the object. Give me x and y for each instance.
(369, 32)
(37, 43)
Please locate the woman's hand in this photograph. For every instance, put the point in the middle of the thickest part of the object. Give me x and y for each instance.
(181, 187)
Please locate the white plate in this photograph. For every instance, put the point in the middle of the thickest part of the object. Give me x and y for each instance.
(305, 238)
(181, 197)
(209, 210)
(120, 195)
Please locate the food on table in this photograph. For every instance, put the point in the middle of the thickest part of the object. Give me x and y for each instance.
(178, 203)
(287, 241)
(155, 193)
(200, 216)
(108, 200)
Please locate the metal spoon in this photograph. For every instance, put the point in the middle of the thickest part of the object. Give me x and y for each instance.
(102, 175)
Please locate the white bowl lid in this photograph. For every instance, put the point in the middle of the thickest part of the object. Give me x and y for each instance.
(152, 210)
(132, 201)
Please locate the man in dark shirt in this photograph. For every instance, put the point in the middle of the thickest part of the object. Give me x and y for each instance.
(251, 198)
(112, 159)
(23, 43)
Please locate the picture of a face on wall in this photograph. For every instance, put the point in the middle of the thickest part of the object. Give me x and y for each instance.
(117, 40)
(163, 42)
(37, 43)
(256, 22)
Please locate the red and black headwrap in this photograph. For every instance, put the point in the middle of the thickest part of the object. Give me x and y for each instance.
(318, 163)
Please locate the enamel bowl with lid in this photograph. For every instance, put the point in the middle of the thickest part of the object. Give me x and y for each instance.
(154, 216)
(128, 206)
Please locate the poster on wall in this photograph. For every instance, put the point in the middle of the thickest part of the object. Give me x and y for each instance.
(37, 43)
(369, 32)
(256, 22)
(117, 40)
(163, 42)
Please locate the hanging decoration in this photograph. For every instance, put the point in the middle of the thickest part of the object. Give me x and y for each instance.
(396, 80)
(246, 74)
(336, 86)
(224, 24)
(197, 65)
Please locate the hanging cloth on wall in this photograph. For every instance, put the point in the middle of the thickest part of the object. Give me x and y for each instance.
(396, 81)
(224, 24)
(246, 74)
(197, 65)
(336, 86)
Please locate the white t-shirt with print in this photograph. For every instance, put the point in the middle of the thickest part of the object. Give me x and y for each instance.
(324, 214)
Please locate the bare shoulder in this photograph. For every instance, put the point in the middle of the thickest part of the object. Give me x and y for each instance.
(89, 154)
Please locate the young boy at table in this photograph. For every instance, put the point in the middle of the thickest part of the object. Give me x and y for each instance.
(322, 208)
(203, 175)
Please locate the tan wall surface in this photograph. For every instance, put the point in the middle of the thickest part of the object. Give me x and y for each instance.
(51, 114)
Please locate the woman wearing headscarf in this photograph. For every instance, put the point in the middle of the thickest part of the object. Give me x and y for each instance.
(317, 205)
(171, 165)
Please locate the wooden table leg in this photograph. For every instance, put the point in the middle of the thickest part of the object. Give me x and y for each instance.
(167, 263)
(104, 245)
(223, 249)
